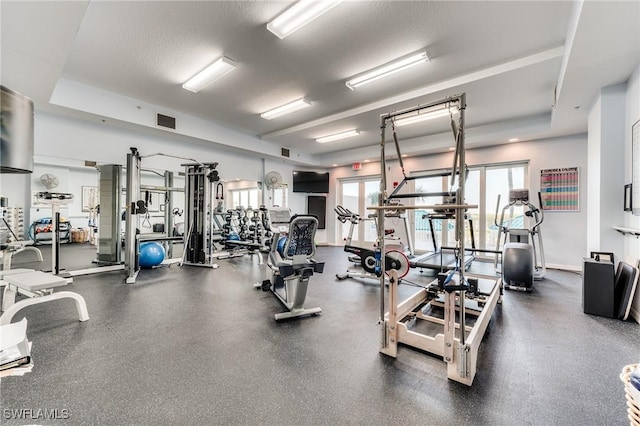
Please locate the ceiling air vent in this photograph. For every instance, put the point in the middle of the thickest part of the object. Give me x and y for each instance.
(284, 152)
(166, 121)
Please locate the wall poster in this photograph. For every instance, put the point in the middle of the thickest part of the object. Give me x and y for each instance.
(560, 189)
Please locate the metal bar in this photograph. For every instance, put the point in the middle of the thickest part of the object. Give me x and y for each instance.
(132, 191)
(168, 210)
(460, 215)
(380, 221)
(144, 239)
(165, 188)
(449, 100)
(422, 194)
(397, 188)
(426, 207)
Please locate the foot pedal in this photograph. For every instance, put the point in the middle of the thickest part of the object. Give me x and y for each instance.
(265, 285)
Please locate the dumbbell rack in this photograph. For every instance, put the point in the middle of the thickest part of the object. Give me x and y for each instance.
(13, 218)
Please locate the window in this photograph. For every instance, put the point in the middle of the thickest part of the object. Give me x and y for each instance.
(245, 198)
(356, 196)
(482, 187)
(280, 196)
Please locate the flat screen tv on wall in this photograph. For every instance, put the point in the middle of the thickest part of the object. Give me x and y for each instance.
(311, 182)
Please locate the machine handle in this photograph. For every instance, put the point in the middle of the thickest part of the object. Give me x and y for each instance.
(541, 210)
(495, 218)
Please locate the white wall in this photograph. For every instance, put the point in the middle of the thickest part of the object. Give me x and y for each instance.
(62, 145)
(606, 152)
(564, 233)
(632, 244)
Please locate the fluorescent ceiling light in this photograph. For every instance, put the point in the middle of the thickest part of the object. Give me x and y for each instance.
(416, 118)
(388, 69)
(514, 140)
(338, 136)
(286, 109)
(209, 74)
(299, 15)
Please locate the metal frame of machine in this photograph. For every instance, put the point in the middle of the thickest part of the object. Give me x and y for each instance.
(458, 342)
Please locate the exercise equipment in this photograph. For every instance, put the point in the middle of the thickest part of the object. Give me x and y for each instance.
(291, 270)
(12, 243)
(135, 206)
(240, 232)
(39, 288)
(395, 259)
(200, 182)
(443, 258)
(151, 254)
(522, 249)
(55, 200)
(459, 340)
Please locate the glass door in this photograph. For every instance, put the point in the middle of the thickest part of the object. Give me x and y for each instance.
(356, 196)
(483, 185)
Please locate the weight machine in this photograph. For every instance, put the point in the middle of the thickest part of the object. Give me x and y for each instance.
(136, 206)
(200, 235)
(407, 322)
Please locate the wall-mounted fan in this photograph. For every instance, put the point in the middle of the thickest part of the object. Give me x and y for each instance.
(273, 179)
(49, 181)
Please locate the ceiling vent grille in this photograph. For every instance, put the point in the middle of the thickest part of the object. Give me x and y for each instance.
(284, 152)
(166, 121)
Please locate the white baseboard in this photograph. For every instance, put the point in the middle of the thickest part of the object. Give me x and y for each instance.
(571, 268)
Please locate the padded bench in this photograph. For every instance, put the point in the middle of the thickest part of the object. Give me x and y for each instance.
(38, 287)
(11, 249)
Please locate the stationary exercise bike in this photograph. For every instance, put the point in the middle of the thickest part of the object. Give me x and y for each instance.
(367, 258)
(522, 251)
(291, 262)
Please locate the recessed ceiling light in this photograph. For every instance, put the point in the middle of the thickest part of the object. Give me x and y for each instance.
(286, 109)
(452, 148)
(366, 161)
(210, 74)
(514, 140)
(334, 165)
(338, 136)
(404, 155)
(299, 15)
(388, 69)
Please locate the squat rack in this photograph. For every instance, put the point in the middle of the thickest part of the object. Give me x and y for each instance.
(460, 353)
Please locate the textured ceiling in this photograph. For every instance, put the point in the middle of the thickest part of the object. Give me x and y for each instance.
(507, 56)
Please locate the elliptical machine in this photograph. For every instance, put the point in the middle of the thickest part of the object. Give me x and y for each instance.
(522, 250)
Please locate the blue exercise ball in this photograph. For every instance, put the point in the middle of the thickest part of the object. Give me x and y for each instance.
(234, 237)
(282, 241)
(151, 254)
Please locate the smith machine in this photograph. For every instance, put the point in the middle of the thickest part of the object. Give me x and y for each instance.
(412, 322)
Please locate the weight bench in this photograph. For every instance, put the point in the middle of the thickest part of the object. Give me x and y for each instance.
(11, 249)
(38, 287)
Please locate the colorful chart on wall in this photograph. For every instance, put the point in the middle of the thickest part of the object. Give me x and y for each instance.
(635, 169)
(560, 189)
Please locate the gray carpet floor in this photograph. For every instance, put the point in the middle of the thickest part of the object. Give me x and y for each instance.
(190, 345)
